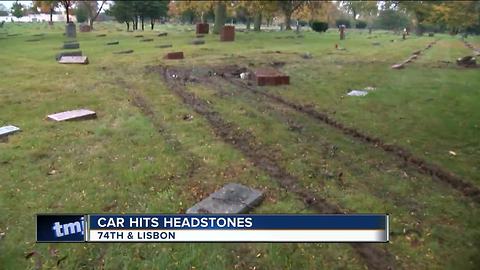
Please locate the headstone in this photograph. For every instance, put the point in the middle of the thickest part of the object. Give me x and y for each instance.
(85, 28)
(124, 52)
(71, 53)
(398, 66)
(198, 41)
(174, 55)
(8, 130)
(231, 199)
(113, 43)
(73, 60)
(70, 30)
(270, 76)
(146, 40)
(101, 35)
(164, 46)
(80, 114)
(71, 45)
(341, 29)
(227, 33)
(357, 93)
(163, 34)
(138, 36)
(202, 28)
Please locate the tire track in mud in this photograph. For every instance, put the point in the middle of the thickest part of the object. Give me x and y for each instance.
(421, 165)
(261, 157)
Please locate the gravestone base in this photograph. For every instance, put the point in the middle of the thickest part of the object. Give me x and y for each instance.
(270, 76)
(174, 55)
(202, 28)
(71, 45)
(73, 53)
(83, 60)
(70, 30)
(227, 33)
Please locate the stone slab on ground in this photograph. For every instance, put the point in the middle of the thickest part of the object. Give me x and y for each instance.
(73, 60)
(138, 36)
(8, 130)
(398, 66)
(270, 76)
(163, 34)
(227, 33)
(71, 45)
(123, 52)
(146, 40)
(164, 46)
(233, 198)
(80, 114)
(197, 42)
(202, 28)
(174, 55)
(113, 43)
(71, 53)
(101, 35)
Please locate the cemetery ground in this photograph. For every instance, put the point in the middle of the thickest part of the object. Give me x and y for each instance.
(156, 148)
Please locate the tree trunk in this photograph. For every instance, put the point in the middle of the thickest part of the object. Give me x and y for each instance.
(288, 20)
(68, 15)
(152, 22)
(220, 16)
(143, 23)
(91, 23)
(51, 15)
(257, 22)
(248, 23)
(128, 26)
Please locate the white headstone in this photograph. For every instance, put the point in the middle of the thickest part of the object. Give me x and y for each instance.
(8, 130)
(73, 115)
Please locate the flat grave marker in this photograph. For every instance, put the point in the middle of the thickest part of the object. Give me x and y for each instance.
(163, 34)
(146, 40)
(71, 53)
(113, 43)
(8, 130)
(174, 55)
(73, 60)
(270, 76)
(123, 52)
(198, 42)
(80, 114)
(101, 35)
(233, 198)
(164, 46)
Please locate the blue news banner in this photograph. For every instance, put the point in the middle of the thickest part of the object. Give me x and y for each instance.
(212, 228)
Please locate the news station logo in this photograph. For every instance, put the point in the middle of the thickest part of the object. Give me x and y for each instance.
(61, 228)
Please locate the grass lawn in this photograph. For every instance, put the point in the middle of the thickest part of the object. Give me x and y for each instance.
(141, 156)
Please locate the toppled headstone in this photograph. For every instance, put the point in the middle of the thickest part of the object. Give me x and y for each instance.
(164, 46)
(467, 61)
(198, 41)
(270, 76)
(85, 28)
(174, 55)
(81, 114)
(8, 130)
(357, 93)
(231, 199)
(202, 28)
(71, 53)
(146, 40)
(101, 35)
(398, 66)
(72, 45)
(163, 34)
(227, 33)
(113, 43)
(123, 52)
(73, 60)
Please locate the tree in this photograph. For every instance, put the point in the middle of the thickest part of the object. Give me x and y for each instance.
(81, 13)
(155, 10)
(391, 20)
(92, 9)
(67, 4)
(17, 10)
(456, 16)
(47, 7)
(220, 16)
(288, 7)
(123, 12)
(357, 8)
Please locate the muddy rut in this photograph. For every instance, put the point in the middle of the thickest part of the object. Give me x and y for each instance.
(262, 157)
(421, 165)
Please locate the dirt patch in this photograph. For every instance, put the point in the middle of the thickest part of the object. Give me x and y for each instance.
(422, 166)
(262, 158)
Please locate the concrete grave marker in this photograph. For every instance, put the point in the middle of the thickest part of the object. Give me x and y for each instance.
(71, 53)
(71, 45)
(270, 76)
(124, 52)
(163, 34)
(138, 36)
(227, 33)
(101, 35)
(231, 199)
(174, 55)
(146, 40)
(8, 130)
(398, 66)
(73, 60)
(80, 114)
(113, 43)
(202, 28)
(164, 46)
(198, 41)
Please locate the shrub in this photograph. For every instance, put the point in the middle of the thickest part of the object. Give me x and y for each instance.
(319, 26)
(361, 25)
(346, 22)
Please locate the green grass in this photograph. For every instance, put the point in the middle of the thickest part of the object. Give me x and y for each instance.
(121, 163)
